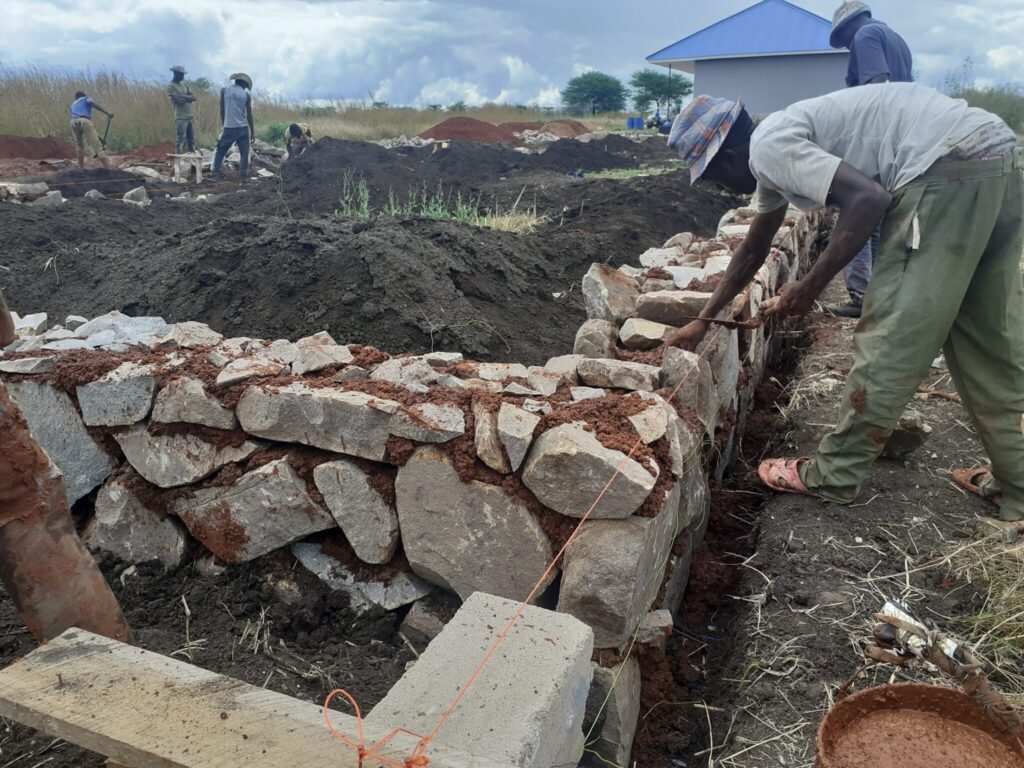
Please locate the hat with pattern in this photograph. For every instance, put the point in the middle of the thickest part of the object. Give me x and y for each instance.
(700, 130)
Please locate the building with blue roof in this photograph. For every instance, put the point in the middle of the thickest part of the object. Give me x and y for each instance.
(769, 56)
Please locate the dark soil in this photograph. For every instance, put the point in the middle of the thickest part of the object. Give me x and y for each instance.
(260, 262)
(76, 182)
(309, 640)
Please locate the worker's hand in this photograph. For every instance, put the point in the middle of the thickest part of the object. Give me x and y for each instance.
(688, 337)
(793, 299)
(110, 115)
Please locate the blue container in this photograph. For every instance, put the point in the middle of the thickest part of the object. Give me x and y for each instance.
(636, 123)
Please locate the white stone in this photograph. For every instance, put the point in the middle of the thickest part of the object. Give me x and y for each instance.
(187, 401)
(609, 294)
(281, 351)
(93, 194)
(516, 389)
(586, 393)
(652, 423)
(405, 372)
(28, 365)
(245, 368)
(643, 334)
(123, 326)
(537, 406)
(721, 348)
(489, 448)
(369, 522)
(525, 709)
(122, 397)
(717, 265)
(691, 374)
(59, 334)
(191, 334)
(352, 423)
(26, 190)
(169, 461)
(734, 230)
(502, 371)
(515, 428)
(266, 509)
(655, 627)
(619, 374)
(401, 589)
(568, 468)
(74, 322)
(659, 257)
(65, 344)
(54, 423)
(442, 359)
(125, 528)
(312, 359)
(543, 381)
(470, 536)
(429, 422)
(137, 196)
(674, 308)
(51, 199)
(682, 240)
(683, 276)
(595, 339)
(31, 325)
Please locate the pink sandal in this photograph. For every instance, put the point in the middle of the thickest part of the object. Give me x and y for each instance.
(783, 476)
(969, 480)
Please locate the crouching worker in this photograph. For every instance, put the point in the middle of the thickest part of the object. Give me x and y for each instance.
(945, 180)
(47, 572)
(237, 121)
(298, 139)
(84, 130)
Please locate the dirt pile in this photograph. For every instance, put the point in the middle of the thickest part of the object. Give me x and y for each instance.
(566, 129)
(154, 153)
(29, 148)
(75, 182)
(469, 129)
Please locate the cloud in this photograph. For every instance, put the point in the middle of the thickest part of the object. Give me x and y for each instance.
(438, 51)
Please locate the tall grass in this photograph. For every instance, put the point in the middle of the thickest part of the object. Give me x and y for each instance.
(35, 102)
(1007, 101)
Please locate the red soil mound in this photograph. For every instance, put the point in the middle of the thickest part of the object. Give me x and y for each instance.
(154, 153)
(468, 129)
(31, 148)
(566, 129)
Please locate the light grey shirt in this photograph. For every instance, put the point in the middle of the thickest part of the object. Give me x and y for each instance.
(236, 98)
(891, 132)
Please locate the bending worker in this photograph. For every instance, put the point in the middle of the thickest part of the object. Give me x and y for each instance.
(48, 573)
(298, 139)
(947, 181)
(182, 99)
(877, 55)
(236, 117)
(83, 129)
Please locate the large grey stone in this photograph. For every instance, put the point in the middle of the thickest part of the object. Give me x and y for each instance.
(674, 308)
(405, 372)
(721, 348)
(429, 422)
(245, 368)
(471, 536)
(123, 326)
(28, 365)
(187, 401)
(609, 294)
(515, 428)
(122, 397)
(368, 520)
(527, 706)
(619, 374)
(613, 570)
(595, 338)
(636, 333)
(264, 510)
(502, 371)
(364, 595)
(683, 240)
(190, 335)
(568, 468)
(127, 529)
(31, 325)
(691, 374)
(660, 257)
(613, 708)
(353, 423)
(682, 277)
(56, 425)
(319, 351)
(565, 367)
(489, 448)
(169, 461)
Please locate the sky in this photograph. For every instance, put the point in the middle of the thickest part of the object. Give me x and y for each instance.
(420, 52)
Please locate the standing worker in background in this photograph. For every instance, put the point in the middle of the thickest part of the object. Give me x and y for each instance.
(298, 139)
(947, 181)
(877, 55)
(45, 568)
(182, 99)
(83, 130)
(236, 117)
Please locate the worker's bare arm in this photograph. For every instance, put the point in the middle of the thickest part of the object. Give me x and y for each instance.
(98, 108)
(862, 204)
(6, 323)
(746, 261)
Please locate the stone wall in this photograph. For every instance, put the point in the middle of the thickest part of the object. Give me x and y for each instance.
(392, 476)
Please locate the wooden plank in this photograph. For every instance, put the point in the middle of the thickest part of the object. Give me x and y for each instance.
(144, 710)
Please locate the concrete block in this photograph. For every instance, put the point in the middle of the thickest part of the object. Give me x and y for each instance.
(527, 706)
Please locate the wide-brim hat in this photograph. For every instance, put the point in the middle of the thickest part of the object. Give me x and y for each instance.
(242, 76)
(178, 69)
(844, 14)
(700, 130)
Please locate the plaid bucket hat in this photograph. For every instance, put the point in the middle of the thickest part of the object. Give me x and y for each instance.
(700, 130)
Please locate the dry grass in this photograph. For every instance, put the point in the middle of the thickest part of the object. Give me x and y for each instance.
(36, 101)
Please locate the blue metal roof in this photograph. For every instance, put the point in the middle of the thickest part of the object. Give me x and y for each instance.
(770, 28)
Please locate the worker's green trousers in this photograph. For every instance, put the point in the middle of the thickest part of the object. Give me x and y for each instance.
(948, 276)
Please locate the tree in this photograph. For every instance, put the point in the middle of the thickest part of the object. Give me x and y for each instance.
(657, 88)
(594, 92)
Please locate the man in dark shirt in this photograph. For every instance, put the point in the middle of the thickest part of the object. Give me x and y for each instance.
(877, 55)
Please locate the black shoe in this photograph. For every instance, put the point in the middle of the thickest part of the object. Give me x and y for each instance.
(851, 308)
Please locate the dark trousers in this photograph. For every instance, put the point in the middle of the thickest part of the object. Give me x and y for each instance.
(229, 136)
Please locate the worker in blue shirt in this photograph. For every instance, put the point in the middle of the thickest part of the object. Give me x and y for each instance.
(877, 55)
(83, 130)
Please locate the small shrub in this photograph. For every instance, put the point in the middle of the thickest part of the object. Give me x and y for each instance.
(273, 132)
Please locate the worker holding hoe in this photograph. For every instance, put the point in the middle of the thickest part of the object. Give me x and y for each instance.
(947, 180)
(83, 129)
(236, 118)
(48, 573)
(877, 55)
